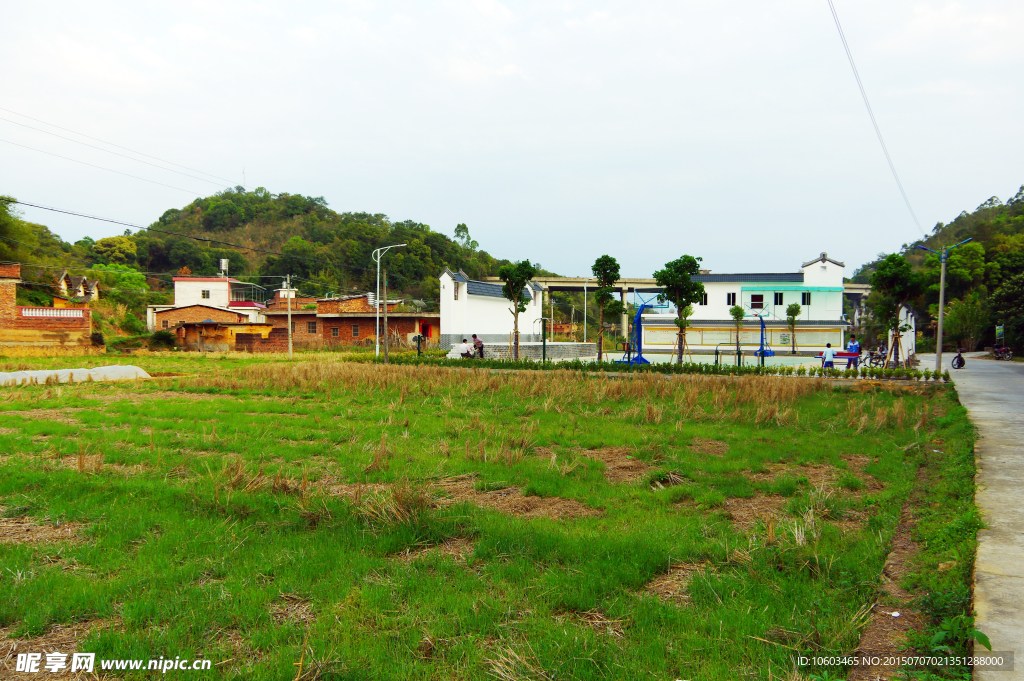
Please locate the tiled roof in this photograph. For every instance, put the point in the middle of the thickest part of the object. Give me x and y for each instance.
(777, 277)
(486, 288)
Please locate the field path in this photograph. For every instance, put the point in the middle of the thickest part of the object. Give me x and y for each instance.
(993, 393)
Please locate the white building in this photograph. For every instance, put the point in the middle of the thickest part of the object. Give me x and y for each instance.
(222, 293)
(469, 307)
(817, 287)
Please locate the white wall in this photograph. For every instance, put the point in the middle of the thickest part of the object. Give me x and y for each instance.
(825, 305)
(190, 293)
(487, 316)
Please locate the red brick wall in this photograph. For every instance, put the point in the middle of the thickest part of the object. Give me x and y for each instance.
(10, 271)
(300, 333)
(8, 302)
(277, 341)
(194, 313)
(360, 304)
(367, 327)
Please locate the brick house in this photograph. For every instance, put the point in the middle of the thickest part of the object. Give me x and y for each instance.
(237, 300)
(351, 320)
(39, 326)
(170, 318)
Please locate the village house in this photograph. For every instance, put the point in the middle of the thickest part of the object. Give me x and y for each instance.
(469, 306)
(818, 287)
(197, 299)
(73, 291)
(26, 326)
(350, 320)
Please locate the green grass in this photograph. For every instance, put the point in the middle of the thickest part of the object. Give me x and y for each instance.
(186, 561)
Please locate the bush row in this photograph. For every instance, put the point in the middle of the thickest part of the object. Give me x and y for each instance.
(684, 368)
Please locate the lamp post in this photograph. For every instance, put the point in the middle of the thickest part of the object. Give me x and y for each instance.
(376, 255)
(942, 298)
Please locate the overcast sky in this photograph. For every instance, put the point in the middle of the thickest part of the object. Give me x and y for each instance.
(558, 131)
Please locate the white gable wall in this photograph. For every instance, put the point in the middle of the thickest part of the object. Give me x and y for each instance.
(488, 317)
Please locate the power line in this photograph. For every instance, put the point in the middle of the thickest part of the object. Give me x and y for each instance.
(871, 114)
(116, 145)
(92, 165)
(108, 151)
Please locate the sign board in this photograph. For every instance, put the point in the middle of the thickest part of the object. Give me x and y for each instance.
(999, 332)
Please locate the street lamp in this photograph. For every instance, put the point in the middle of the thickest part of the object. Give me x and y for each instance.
(376, 255)
(942, 298)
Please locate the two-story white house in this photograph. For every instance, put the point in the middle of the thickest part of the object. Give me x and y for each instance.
(469, 306)
(817, 288)
(196, 299)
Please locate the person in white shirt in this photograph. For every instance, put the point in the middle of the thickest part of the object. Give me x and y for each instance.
(828, 357)
(465, 350)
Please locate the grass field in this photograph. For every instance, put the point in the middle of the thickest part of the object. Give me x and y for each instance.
(341, 520)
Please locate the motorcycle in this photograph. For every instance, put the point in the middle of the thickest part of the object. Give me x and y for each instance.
(1002, 352)
(958, 361)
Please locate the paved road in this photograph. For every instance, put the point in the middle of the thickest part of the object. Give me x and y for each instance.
(993, 393)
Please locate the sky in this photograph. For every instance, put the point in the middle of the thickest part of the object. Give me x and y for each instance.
(557, 131)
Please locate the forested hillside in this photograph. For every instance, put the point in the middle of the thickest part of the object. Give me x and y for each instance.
(265, 236)
(983, 277)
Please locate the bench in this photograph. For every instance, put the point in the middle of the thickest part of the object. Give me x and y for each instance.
(848, 356)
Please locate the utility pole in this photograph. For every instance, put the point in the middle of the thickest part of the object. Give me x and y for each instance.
(288, 292)
(585, 310)
(385, 316)
(942, 298)
(376, 255)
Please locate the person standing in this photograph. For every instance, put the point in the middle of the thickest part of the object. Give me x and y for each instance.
(854, 347)
(828, 357)
(478, 347)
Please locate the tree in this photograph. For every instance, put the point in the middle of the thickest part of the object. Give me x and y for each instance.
(462, 234)
(1008, 307)
(676, 278)
(793, 311)
(116, 250)
(516, 277)
(894, 283)
(737, 313)
(966, 320)
(606, 271)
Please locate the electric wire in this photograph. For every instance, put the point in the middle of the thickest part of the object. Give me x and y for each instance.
(109, 170)
(871, 114)
(108, 151)
(82, 134)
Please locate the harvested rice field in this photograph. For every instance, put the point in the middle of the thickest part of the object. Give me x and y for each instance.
(330, 519)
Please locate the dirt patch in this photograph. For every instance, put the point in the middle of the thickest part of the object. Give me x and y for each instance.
(354, 491)
(701, 445)
(619, 464)
(673, 585)
(9, 431)
(93, 463)
(456, 548)
(596, 620)
(25, 530)
(744, 513)
(57, 415)
(292, 609)
(61, 638)
(890, 619)
(510, 500)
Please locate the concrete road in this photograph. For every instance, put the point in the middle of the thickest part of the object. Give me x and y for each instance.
(993, 393)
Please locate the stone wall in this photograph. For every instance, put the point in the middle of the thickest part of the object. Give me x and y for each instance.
(535, 351)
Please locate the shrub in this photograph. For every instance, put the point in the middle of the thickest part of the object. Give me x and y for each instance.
(162, 339)
(801, 371)
(927, 374)
(946, 377)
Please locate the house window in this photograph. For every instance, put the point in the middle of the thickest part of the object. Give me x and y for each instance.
(206, 294)
(730, 299)
(334, 332)
(456, 289)
(165, 324)
(805, 298)
(704, 299)
(778, 299)
(757, 301)
(310, 327)
(355, 331)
